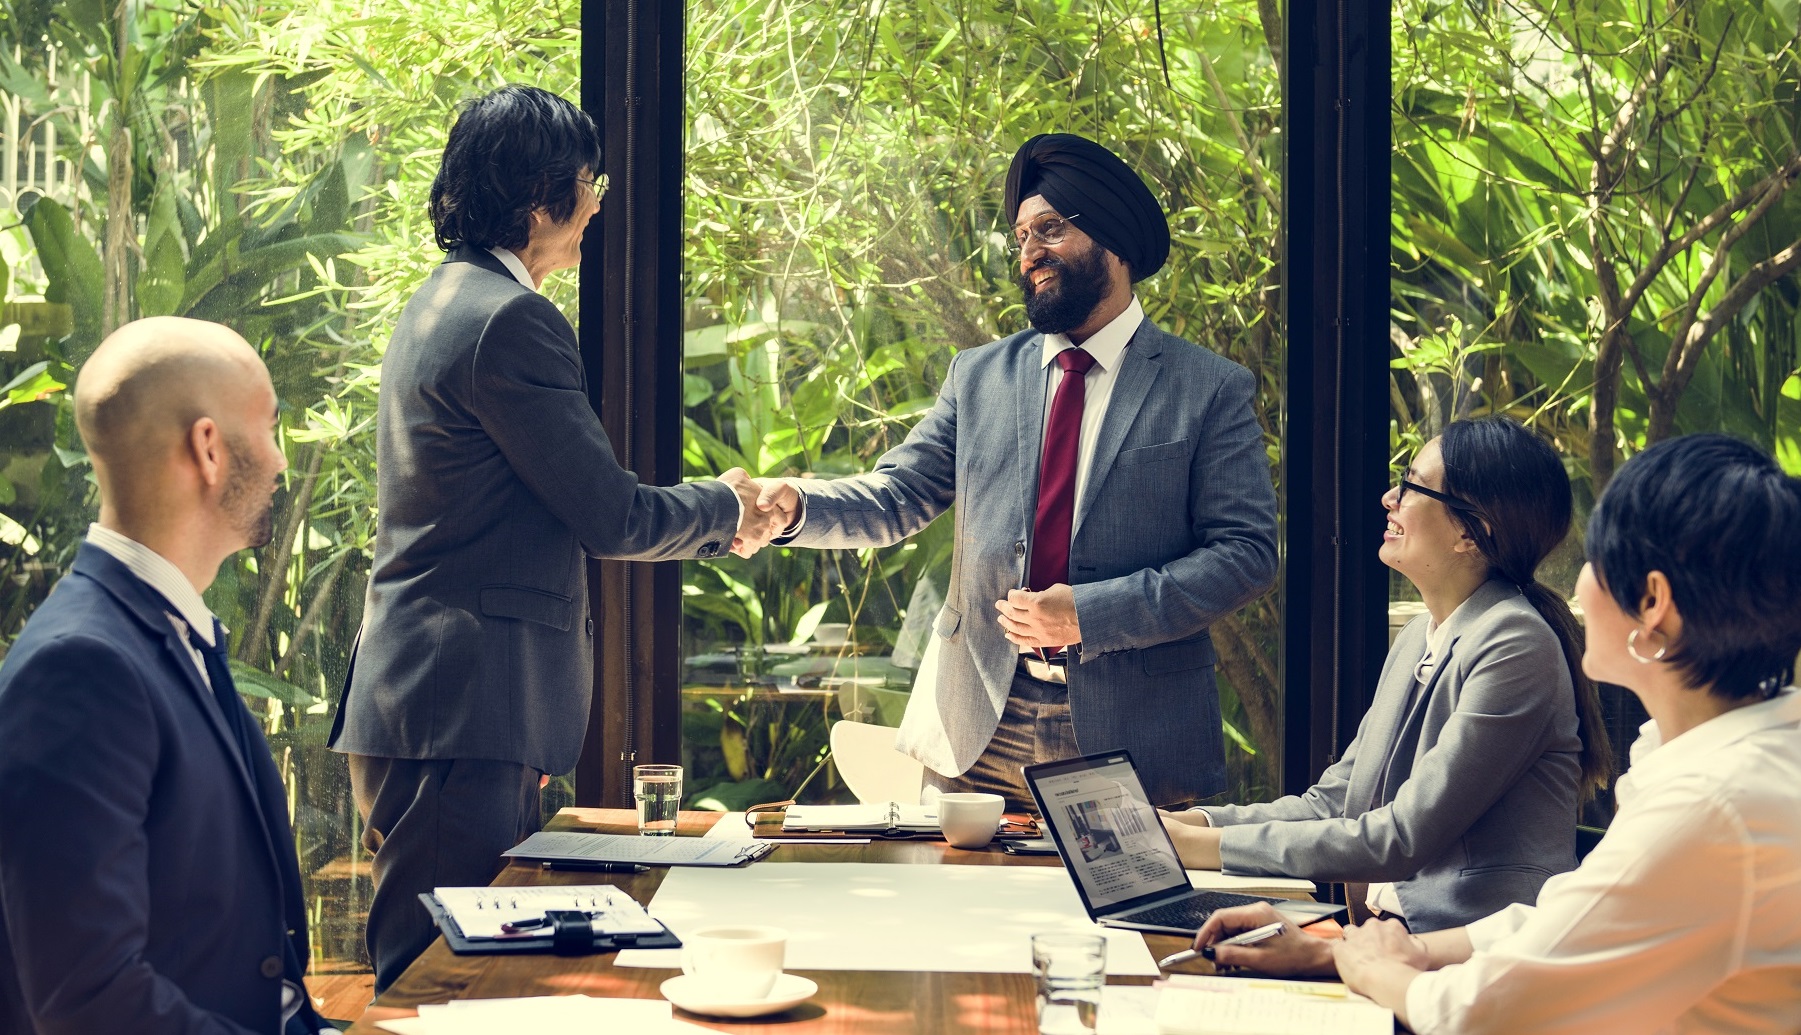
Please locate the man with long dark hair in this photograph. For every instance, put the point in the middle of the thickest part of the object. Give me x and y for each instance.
(473, 672)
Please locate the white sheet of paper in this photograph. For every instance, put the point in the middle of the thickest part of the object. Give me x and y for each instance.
(1213, 880)
(1128, 1010)
(874, 916)
(542, 1015)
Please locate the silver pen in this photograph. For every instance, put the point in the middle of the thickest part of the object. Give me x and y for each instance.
(1250, 937)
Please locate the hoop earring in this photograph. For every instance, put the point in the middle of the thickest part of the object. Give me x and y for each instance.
(1632, 648)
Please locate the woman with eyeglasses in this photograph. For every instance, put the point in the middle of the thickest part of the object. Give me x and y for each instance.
(1459, 795)
(1687, 916)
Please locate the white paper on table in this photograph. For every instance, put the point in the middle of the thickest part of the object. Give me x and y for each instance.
(1213, 880)
(886, 917)
(731, 827)
(1128, 1010)
(542, 1015)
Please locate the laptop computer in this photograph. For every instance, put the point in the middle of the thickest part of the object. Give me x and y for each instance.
(1123, 862)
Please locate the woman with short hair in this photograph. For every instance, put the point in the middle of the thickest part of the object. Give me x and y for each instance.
(1687, 916)
(1459, 794)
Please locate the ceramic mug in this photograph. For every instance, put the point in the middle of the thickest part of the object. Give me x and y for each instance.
(970, 820)
(734, 964)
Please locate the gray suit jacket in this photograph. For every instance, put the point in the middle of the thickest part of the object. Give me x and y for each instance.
(1176, 527)
(1464, 795)
(494, 479)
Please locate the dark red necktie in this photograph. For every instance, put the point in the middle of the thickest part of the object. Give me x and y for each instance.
(1052, 527)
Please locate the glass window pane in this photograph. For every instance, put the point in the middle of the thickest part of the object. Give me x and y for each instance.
(1586, 237)
(845, 170)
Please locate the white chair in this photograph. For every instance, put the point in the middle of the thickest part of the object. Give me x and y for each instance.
(871, 767)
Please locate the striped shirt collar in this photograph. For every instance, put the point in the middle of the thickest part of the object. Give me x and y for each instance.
(159, 574)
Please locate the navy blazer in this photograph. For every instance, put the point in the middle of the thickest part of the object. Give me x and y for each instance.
(147, 882)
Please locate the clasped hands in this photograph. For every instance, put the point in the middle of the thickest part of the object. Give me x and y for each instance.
(770, 506)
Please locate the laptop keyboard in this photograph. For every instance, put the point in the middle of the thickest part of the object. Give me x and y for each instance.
(1193, 911)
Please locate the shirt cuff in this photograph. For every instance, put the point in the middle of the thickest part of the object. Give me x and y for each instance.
(799, 522)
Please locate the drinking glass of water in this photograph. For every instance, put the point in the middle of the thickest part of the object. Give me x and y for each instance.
(658, 792)
(1070, 970)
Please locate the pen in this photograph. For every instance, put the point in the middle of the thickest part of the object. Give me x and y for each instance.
(597, 867)
(1251, 937)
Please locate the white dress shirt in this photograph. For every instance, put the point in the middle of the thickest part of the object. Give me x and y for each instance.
(160, 574)
(1108, 347)
(1686, 917)
(515, 267)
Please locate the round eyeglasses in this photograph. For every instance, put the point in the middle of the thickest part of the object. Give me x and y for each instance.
(598, 184)
(1047, 230)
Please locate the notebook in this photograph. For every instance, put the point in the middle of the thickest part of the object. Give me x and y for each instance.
(1114, 846)
(874, 817)
(1193, 1005)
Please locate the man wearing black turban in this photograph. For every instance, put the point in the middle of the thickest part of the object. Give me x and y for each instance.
(1109, 517)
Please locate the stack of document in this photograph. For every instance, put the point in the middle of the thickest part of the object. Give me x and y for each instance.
(543, 1015)
(555, 846)
(495, 913)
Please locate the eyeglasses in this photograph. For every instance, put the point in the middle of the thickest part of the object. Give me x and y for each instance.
(1443, 497)
(598, 184)
(1049, 231)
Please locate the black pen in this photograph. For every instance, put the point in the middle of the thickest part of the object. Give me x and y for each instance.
(597, 867)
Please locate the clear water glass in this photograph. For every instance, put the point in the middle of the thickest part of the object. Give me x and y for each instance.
(1070, 970)
(658, 791)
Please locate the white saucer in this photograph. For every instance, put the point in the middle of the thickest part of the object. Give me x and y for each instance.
(789, 990)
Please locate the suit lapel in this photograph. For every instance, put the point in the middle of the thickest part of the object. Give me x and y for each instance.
(1386, 715)
(1138, 370)
(149, 608)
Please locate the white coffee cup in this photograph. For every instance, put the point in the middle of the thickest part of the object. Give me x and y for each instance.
(970, 820)
(734, 964)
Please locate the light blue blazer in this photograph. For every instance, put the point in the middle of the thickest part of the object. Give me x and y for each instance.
(1176, 528)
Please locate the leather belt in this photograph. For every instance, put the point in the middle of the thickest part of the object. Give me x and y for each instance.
(1056, 671)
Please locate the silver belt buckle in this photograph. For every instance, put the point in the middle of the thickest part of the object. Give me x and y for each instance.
(1044, 671)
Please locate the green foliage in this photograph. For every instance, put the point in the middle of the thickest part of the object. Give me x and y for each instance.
(1594, 201)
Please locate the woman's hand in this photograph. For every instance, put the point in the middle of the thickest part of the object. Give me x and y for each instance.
(1197, 846)
(1380, 960)
(1189, 817)
(1292, 953)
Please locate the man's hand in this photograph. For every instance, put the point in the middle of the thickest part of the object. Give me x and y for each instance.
(1292, 953)
(756, 526)
(1045, 619)
(781, 497)
(1196, 844)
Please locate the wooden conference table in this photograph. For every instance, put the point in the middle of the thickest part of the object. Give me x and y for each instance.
(848, 1002)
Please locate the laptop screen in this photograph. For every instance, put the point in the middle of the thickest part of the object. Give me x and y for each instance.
(1111, 838)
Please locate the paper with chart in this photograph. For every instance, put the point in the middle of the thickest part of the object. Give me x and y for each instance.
(871, 916)
(480, 912)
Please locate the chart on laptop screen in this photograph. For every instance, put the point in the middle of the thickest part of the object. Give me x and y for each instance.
(1112, 839)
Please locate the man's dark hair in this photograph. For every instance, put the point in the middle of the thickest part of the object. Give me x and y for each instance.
(1723, 523)
(1517, 483)
(513, 151)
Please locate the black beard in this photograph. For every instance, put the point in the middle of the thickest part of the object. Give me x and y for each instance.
(1081, 284)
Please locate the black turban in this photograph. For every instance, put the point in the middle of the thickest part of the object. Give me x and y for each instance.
(1096, 191)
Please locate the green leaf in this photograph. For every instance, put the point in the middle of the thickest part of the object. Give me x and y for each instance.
(34, 383)
(73, 269)
(254, 682)
(809, 621)
(164, 273)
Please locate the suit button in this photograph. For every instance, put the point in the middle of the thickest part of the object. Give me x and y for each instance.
(709, 549)
(1019, 548)
(590, 627)
(271, 967)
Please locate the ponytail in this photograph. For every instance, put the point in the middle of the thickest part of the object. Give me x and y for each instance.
(1591, 726)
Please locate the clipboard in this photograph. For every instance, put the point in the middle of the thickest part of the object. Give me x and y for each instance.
(563, 940)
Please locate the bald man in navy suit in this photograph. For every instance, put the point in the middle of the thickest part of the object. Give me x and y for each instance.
(148, 880)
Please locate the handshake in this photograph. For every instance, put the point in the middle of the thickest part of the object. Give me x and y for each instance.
(771, 507)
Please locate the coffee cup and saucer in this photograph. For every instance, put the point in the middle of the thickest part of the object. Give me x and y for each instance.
(970, 820)
(736, 972)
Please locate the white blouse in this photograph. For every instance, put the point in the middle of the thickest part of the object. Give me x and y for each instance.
(1687, 916)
